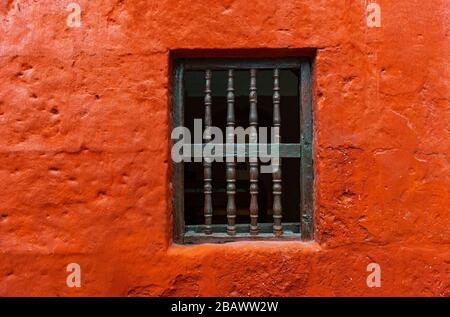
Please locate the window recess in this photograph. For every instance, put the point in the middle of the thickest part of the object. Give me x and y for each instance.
(232, 199)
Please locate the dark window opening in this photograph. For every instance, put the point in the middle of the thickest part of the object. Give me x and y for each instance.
(220, 222)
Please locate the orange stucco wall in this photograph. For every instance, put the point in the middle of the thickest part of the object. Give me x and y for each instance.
(84, 148)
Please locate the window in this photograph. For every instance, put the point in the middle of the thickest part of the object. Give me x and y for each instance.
(236, 185)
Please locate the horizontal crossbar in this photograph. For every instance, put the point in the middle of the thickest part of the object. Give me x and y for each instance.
(195, 233)
(268, 150)
(233, 63)
(289, 228)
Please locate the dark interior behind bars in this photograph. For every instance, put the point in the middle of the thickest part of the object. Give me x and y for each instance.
(194, 85)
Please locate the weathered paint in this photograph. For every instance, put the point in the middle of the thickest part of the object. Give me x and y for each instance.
(84, 153)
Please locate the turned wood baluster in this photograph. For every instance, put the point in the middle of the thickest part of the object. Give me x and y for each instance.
(207, 174)
(276, 162)
(230, 164)
(253, 159)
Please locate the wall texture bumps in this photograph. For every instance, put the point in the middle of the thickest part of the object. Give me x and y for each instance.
(84, 156)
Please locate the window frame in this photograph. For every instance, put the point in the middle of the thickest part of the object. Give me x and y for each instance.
(303, 64)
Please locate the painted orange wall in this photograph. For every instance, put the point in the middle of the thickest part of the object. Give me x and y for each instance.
(84, 156)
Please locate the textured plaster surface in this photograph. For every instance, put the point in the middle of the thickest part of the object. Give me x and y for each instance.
(84, 152)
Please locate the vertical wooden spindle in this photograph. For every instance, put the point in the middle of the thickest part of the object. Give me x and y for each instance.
(276, 162)
(207, 173)
(253, 160)
(230, 164)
